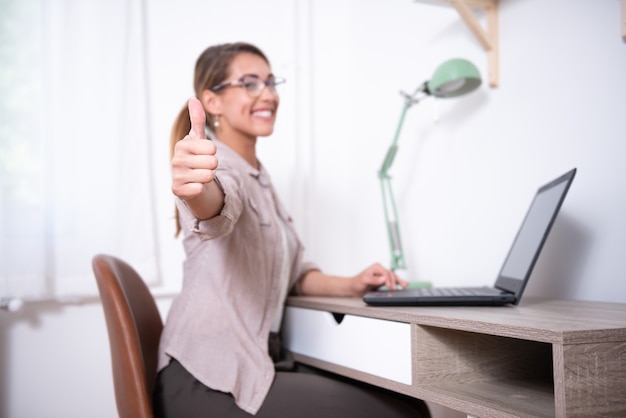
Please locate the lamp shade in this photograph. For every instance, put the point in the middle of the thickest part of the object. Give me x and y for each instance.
(453, 78)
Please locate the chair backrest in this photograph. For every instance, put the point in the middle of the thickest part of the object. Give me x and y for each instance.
(134, 326)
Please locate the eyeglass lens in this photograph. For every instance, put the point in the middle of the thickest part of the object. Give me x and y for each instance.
(254, 85)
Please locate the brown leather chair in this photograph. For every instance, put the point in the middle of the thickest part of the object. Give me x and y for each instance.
(134, 326)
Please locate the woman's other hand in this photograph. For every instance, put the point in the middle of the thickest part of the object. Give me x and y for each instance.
(316, 283)
(373, 277)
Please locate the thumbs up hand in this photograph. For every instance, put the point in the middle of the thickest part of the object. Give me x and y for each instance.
(194, 161)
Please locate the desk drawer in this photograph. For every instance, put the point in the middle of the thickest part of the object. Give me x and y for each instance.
(378, 347)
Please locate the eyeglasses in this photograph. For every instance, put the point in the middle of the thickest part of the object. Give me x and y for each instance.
(253, 84)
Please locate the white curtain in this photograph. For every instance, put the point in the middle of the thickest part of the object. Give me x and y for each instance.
(75, 151)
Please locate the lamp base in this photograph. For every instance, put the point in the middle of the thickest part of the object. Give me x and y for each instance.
(412, 285)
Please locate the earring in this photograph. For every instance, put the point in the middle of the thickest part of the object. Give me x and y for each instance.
(217, 121)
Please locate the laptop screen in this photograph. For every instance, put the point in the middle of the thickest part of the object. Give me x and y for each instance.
(530, 238)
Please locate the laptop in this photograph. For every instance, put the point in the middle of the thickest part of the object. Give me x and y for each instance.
(517, 267)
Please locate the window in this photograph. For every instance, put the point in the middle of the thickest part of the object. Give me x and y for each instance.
(75, 150)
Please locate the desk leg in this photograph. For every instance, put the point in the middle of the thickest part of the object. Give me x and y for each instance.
(590, 379)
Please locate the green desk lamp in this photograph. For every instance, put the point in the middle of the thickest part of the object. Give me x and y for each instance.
(453, 78)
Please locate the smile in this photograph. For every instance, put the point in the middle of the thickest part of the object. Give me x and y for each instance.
(263, 113)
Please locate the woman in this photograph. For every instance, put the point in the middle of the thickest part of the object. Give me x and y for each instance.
(220, 354)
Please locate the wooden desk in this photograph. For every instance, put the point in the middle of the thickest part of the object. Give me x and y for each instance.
(543, 358)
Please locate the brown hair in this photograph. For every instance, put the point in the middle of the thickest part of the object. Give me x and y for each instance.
(212, 68)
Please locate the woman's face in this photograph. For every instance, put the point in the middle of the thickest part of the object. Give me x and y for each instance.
(240, 112)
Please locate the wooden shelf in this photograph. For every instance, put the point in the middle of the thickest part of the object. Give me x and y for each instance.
(521, 398)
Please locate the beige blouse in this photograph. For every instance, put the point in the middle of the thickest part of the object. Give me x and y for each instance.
(218, 327)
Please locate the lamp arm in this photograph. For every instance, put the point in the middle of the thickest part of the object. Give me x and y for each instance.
(393, 230)
(409, 100)
(389, 204)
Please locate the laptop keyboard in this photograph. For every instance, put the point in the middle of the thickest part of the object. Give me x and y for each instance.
(457, 291)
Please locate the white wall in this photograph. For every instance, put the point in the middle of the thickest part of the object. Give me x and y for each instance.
(463, 183)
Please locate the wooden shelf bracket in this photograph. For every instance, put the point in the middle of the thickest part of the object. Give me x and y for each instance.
(487, 38)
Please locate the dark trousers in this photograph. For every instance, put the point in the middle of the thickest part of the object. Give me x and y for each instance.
(299, 393)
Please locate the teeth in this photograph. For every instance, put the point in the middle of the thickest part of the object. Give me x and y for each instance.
(263, 113)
